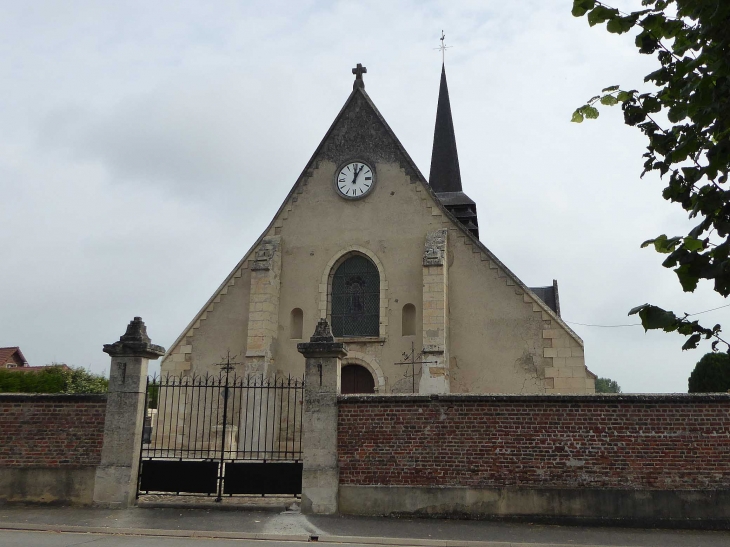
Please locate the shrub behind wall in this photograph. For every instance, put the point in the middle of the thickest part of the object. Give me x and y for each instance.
(55, 379)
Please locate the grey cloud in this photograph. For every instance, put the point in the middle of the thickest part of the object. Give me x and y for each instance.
(144, 149)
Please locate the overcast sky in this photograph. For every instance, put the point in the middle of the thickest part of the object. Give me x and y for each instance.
(144, 146)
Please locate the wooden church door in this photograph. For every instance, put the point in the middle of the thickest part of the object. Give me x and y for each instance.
(356, 379)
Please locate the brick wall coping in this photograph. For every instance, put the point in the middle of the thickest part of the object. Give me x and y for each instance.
(648, 398)
(52, 397)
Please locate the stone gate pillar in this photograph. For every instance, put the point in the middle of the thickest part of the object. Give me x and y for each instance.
(320, 477)
(116, 477)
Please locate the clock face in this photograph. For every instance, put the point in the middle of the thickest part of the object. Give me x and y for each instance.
(354, 180)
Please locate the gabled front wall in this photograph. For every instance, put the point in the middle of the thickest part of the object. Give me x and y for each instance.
(390, 225)
(499, 339)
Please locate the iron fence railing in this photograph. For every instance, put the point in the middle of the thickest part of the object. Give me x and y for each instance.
(224, 417)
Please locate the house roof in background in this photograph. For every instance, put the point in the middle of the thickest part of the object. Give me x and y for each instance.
(7, 353)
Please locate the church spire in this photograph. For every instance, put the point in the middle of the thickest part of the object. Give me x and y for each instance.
(445, 175)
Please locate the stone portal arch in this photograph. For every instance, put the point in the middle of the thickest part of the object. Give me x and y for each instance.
(358, 358)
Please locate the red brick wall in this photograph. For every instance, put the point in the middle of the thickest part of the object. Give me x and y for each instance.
(624, 441)
(51, 430)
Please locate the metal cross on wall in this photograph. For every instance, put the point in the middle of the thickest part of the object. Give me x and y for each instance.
(227, 365)
(413, 359)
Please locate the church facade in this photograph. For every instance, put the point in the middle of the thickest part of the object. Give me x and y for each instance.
(395, 264)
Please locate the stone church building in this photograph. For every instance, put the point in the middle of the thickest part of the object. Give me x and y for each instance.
(393, 262)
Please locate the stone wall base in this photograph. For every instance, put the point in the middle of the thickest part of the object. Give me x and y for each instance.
(672, 508)
(47, 485)
(115, 486)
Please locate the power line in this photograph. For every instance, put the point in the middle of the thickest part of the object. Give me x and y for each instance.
(638, 324)
(605, 326)
(713, 309)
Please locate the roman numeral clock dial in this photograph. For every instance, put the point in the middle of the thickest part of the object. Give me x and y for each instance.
(354, 180)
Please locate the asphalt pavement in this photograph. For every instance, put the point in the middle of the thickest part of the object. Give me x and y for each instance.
(163, 526)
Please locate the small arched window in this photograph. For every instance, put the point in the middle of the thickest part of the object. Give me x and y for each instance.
(408, 320)
(296, 322)
(356, 298)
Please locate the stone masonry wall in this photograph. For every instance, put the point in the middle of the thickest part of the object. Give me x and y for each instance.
(636, 442)
(51, 431)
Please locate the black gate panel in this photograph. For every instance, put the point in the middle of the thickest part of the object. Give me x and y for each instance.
(263, 478)
(194, 477)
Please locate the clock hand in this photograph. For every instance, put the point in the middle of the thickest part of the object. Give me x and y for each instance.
(357, 172)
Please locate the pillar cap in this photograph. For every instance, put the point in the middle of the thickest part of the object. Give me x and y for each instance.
(135, 343)
(322, 343)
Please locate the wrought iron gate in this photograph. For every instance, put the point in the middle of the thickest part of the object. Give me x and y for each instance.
(222, 435)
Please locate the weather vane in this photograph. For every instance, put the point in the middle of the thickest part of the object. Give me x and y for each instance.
(443, 47)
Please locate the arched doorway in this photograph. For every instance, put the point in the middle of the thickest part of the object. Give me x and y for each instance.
(356, 379)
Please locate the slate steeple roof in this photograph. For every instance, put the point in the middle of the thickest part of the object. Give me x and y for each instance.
(445, 176)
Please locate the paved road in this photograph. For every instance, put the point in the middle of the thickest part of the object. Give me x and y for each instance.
(273, 525)
(54, 539)
(11, 538)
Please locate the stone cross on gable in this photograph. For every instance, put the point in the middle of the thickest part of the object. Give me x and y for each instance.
(358, 71)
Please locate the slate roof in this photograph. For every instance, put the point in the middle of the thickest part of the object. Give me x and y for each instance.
(549, 295)
(445, 176)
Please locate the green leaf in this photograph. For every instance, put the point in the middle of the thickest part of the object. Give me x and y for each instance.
(651, 104)
(577, 117)
(609, 100)
(580, 7)
(662, 244)
(623, 96)
(619, 25)
(653, 317)
(692, 244)
(692, 342)
(610, 89)
(614, 26)
(677, 113)
(637, 309)
(590, 112)
(687, 280)
(646, 42)
(599, 14)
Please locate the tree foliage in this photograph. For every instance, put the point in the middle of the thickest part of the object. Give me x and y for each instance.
(711, 374)
(686, 118)
(606, 385)
(53, 379)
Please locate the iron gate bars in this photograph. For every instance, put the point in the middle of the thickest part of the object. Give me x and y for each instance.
(223, 434)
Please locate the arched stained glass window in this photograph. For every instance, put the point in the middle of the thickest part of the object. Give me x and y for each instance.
(356, 298)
